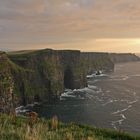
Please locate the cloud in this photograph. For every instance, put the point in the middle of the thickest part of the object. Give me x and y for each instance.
(60, 21)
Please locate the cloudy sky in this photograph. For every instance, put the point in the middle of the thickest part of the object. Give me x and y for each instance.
(88, 25)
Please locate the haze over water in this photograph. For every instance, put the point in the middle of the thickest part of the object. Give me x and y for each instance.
(110, 101)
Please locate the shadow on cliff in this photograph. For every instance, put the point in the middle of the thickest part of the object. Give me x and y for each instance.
(68, 78)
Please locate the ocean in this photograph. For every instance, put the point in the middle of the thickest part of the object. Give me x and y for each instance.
(111, 100)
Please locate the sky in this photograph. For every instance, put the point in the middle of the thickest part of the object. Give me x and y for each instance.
(86, 25)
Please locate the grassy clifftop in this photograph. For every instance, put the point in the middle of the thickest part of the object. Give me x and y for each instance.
(21, 129)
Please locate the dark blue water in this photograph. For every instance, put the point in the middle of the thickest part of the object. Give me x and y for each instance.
(110, 101)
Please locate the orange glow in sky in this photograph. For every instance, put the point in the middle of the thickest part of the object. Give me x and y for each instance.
(86, 25)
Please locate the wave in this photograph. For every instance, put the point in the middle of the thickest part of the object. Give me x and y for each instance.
(21, 110)
(101, 74)
(123, 110)
(119, 78)
(120, 121)
(68, 94)
(108, 91)
(132, 102)
(92, 87)
(84, 93)
(110, 101)
(123, 116)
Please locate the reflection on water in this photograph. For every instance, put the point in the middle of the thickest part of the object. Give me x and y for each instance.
(109, 101)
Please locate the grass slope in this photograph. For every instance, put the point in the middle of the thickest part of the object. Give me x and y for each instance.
(12, 128)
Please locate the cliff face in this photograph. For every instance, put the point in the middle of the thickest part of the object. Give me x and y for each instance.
(5, 84)
(37, 75)
(123, 57)
(97, 61)
(9, 73)
(44, 74)
(44, 77)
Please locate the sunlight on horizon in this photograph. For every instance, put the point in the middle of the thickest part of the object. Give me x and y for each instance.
(115, 45)
(97, 45)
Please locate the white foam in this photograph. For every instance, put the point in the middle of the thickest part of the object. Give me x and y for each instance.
(19, 108)
(127, 90)
(114, 126)
(123, 116)
(129, 102)
(108, 91)
(125, 78)
(119, 78)
(97, 75)
(132, 102)
(89, 96)
(134, 93)
(99, 91)
(90, 76)
(111, 101)
(67, 90)
(120, 121)
(67, 94)
(23, 109)
(92, 87)
(123, 110)
(81, 90)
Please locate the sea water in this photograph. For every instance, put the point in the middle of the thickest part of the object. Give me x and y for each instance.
(110, 101)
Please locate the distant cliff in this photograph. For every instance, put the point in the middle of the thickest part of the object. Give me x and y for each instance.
(123, 57)
(97, 61)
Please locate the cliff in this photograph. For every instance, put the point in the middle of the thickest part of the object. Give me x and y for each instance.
(44, 74)
(10, 75)
(97, 61)
(123, 57)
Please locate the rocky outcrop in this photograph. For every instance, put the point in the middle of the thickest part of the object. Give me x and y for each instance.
(123, 57)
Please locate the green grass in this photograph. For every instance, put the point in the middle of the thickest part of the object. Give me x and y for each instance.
(21, 129)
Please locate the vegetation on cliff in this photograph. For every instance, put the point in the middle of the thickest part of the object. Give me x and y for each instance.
(12, 128)
(12, 80)
(6, 84)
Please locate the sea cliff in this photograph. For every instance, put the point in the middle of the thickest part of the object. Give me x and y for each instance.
(44, 74)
